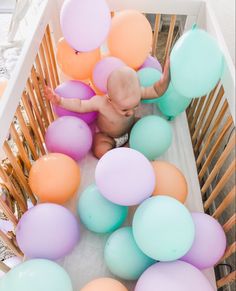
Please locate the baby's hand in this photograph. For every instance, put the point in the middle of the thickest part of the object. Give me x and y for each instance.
(52, 96)
(162, 85)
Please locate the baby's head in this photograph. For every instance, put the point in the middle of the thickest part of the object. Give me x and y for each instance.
(124, 90)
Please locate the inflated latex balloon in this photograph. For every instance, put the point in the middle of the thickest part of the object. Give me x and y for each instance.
(151, 62)
(104, 284)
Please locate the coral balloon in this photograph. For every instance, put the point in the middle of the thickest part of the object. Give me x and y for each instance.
(85, 23)
(169, 181)
(57, 232)
(104, 284)
(75, 89)
(54, 178)
(130, 38)
(76, 65)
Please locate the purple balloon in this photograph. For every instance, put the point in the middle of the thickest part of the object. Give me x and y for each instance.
(47, 231)
(209, 244)
(173, 276)
(102, 71)
(85, 23)
(125, 176)
(151, 62)
(75, 89)
(70, 136)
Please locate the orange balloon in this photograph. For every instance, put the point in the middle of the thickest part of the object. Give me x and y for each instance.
(130, 37)
(170, 181)
(3, 85)
(76, 65)
(54, 178)
(104, 284)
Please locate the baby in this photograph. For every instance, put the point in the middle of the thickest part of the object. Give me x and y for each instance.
(116, 111)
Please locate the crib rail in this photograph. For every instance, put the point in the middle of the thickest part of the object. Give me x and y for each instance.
(25, 116)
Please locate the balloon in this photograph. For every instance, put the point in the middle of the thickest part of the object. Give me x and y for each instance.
(163, 228)
(124, 176)
(36, 275)
(76, 65)
(151, 62)
(209, 243)
(123, 257)
(11, 263)
(75, 89)
(196, 63)
(130, 38)
(47, 231)
(99, 214)
(173, 276)
(104, 284)
(170, 181)
(102, 71)
(54, 178)
(152, 136)
(85, 24)
(70, 136)
(171, 103)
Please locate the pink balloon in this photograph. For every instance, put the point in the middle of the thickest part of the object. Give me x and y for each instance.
(47, 231)
(151, 62)
(11, 263)
(85, 23)
(102, 71)
(173, 276)
(75, 89)
(70, 136)
(125, 176)
(209, 244)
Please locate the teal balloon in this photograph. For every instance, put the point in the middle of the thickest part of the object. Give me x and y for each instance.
(151, 135)
(98, 214)
(148, 77)
(123, 257)
(163, 228)
(36, 275)
(196, 63)
(171, 104)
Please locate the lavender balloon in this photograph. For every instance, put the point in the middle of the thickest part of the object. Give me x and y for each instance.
(47, 231)
(125, 176)
(75, 89)
(70, 136)
(173, 276)
(209, 244)
(151, 62)
(85, 23)
(102, 71)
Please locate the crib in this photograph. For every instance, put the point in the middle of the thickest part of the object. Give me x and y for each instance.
(203, 146)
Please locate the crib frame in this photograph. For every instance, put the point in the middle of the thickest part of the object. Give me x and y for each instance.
(211, 120)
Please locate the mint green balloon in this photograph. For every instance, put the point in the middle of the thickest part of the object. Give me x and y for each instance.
(123, 257)
(36, 275)
(151, 135)
(163, 228)
(98, 214)
(196, 63)
(171, 104)
(148, 77)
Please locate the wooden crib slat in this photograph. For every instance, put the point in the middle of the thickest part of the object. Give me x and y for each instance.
(10, 244)
(230, 223)
(209, 119)
(156, 34)
(215, 147)
(197, 113)
(7, 211)
(192, 108)
(170, 36)
(225, 203)
(219, 164)
(226, 280)
(20, 147)
(4, 268)
(44, 66)
(26, 133)
(220, 185)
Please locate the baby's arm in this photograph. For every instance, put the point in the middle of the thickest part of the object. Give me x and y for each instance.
(160, 87)
(73, 104)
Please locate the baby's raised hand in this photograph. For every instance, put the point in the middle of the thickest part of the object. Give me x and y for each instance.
(162, 85)
(52, 96)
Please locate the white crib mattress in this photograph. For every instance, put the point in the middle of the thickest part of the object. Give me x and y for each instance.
(86, 261)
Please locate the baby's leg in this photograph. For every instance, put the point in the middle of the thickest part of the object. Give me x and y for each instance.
(102, 143)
